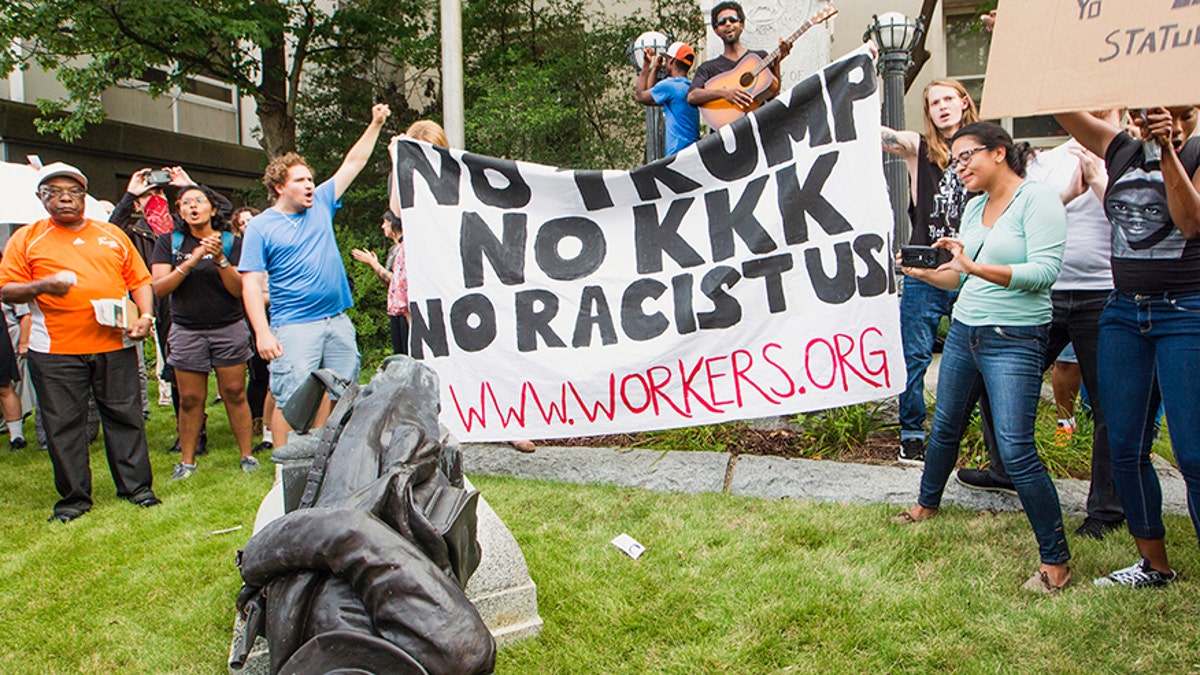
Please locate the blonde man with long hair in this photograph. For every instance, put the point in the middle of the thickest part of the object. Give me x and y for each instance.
(938, 198)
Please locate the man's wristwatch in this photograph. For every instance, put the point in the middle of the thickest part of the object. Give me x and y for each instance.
(223, 263)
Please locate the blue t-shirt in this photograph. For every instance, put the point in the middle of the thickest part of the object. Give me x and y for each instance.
(299, 253)
(683, 119)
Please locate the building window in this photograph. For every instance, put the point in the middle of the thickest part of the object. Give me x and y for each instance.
(208, 89)
(967, 46)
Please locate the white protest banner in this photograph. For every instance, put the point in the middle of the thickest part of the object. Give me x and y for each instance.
(1051, 56)
(747, 276)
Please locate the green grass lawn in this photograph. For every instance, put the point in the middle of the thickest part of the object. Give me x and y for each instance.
(728, 584)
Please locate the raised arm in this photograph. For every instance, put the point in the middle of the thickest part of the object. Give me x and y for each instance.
(357, 158)
(1093, 134)
(1183, 191)
(650, 67)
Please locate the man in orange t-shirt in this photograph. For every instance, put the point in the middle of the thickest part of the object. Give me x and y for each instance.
(60, 265)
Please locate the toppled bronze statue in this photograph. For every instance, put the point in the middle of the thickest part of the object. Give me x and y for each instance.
(367, 573)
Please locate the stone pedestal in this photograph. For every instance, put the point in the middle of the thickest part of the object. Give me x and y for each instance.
(501, 589)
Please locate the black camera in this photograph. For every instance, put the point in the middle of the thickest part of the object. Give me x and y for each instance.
(158, 177)
(926, 257)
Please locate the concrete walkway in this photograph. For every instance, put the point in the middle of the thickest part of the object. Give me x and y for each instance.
(765, 477)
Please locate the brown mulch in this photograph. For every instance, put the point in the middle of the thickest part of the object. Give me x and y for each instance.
(878, 449)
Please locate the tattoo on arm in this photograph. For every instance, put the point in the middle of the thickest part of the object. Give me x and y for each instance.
(892, 142)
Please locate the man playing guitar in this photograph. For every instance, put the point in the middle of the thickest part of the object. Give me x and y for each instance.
(728, 21)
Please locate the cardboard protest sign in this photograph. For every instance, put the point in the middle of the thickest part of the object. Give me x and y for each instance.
(747, 276)
(1052, 56)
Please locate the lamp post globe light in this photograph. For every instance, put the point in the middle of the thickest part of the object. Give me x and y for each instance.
(896, 35)
(656, 126)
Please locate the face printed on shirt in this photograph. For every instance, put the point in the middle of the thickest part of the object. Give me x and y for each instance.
(1142, 228)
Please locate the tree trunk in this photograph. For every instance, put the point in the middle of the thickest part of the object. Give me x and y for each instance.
(278, 127)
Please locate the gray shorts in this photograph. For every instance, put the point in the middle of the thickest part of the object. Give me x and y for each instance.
(199, 351)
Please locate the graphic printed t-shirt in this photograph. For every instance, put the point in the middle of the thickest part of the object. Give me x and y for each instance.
(683, 119)
(298, 250)
(941, 197)
(1149, 254)
(200, 302)
(106, 266)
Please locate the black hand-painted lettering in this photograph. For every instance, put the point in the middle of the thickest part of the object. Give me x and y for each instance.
(589, 258)
(770, 270)
(726, 310)
(730, 165)
(513, 195)
(473, 338)
(593, 190)
(535, 309)
(646, 179)
(652, 238)
(442, 182)
(507, 256)
(723, 222)
(635, 322)
(593, 313)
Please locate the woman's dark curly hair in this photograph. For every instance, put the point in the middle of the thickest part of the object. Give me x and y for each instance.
(219, 221)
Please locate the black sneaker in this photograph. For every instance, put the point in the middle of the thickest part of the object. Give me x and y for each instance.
(1097, 528)
(145, 499)
(983, 480)
(17, 444)
(1138, 575)
(912, 451)
(64, 516)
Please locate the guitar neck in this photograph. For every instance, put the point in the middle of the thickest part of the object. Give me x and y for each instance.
(774, 55)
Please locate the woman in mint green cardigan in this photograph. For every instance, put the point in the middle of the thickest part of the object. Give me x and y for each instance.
(1013, 236)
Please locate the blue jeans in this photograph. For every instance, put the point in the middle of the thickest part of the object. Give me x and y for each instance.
(1077, 322)
(922, 307)
(1009, 361)
(1144, 339)
(325, 343)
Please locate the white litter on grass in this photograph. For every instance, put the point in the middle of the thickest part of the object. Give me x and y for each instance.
(629, 545)
(227, 531)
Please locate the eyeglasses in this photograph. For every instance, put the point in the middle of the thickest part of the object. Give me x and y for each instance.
(197, 200)
(55, 193)
(728, 19)
(965, 156)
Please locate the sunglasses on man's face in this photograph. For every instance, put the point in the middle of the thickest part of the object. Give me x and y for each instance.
(728, 19)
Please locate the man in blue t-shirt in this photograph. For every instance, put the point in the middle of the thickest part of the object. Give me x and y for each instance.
(683, 120)
(292, 245)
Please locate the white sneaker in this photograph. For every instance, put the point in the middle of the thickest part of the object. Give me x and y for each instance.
(164, 393)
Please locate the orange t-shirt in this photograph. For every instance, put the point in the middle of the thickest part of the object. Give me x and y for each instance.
(106, 266)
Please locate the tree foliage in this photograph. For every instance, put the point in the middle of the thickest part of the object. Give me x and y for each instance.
(260, 46)
(545, 81)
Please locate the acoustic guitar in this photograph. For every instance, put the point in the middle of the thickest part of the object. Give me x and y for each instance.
(752, 74)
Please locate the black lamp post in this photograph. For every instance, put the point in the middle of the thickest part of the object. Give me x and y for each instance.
(656, 125)
(896, 35)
